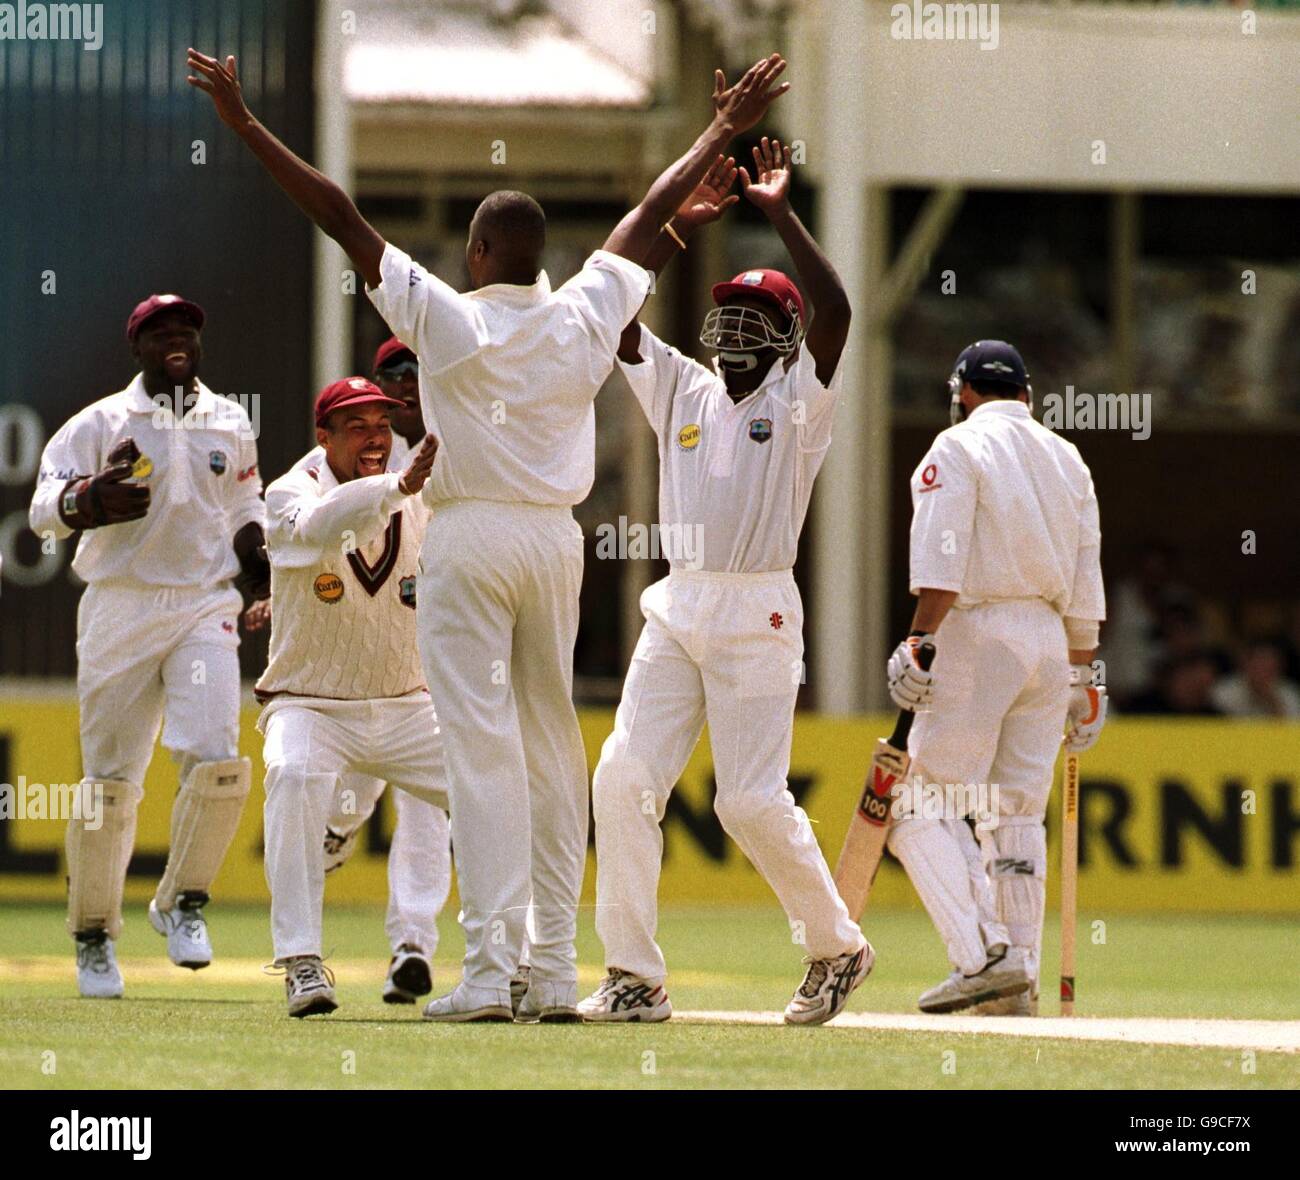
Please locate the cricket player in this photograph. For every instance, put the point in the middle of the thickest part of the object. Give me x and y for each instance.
(739, 447)
(419, 858)
(161, 479)
(1005, 564)
(508, 377)
(343, 688)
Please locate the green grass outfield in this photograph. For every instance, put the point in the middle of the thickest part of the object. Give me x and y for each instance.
(226, 1026)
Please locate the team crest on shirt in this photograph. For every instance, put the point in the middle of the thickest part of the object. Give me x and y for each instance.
(328, 588)
(406, 590)
(217, 462)
(688, 438)
(760, 429)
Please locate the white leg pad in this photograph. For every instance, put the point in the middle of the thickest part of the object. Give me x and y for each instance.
(98, 855)
(1017, 862)
(933, 853)
(204, 819)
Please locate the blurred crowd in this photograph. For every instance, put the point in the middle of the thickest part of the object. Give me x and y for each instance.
(1167, 651)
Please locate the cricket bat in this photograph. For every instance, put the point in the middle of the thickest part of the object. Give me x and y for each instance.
(864, 844)
(1069, 879)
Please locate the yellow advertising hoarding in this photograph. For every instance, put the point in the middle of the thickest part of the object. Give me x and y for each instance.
(1178, 815)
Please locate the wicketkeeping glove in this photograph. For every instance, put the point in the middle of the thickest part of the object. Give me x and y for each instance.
(910, 685)
(105, 498)
(1087, 712)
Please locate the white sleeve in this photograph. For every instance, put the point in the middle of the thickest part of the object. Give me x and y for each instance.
(607, 293)
(247, 507)
(444, 326)
(73, 451)
(303, 526)
(654, 381)
(1088, 598)
(945, 490)
(812, 402)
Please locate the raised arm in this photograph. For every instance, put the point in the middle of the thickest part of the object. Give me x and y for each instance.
(735, 110)
(828, 327)
(315, 194)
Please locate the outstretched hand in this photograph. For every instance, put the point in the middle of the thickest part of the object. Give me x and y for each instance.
(710, 199)
(745, 103)
(418, 469)
(770, 188)
(222, 83)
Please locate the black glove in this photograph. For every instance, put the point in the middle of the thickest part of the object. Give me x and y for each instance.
(254, 578)
(90, 502)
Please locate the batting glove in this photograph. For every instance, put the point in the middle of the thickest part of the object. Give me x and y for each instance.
(1087, 712)
(910, 685)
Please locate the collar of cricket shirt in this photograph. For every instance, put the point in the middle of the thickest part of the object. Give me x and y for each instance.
(139, 401)
(1002, 406)
(516, 294)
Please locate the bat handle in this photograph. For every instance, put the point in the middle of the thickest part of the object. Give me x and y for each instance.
(903, 726)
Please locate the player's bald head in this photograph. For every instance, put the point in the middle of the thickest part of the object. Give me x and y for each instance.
(506, 239)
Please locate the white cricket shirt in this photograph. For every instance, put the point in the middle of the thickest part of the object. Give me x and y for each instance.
(201, 472)
(344, 560)
(1003, 509)
(517, 371)
(734, 478)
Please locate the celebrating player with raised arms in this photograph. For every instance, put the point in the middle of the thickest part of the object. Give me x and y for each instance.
(508, 377)
(162, 479)
(1005, 564)
(739, 447)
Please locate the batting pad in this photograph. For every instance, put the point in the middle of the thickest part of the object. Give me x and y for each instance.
(1017, 852)
(97, 856)
(204, 818)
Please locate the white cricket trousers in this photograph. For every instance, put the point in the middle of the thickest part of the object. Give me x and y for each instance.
(727, 648)
(497, 609)
(1000, 696)
(419, 857)
(310, 743)
(149, 654)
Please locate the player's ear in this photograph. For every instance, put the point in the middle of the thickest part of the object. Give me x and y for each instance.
(322, 436)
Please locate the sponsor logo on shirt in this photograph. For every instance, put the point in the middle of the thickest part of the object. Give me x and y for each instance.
(928, 478)
(217, 462)
(776, 620)
(227, 626)
(760, 429)
(328, 587)
(248, 473)
(406, 590)
(688, 438)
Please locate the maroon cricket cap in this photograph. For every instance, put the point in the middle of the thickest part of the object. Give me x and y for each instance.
(392, 347)
(771, 285)
(155, 304)
(350, 391)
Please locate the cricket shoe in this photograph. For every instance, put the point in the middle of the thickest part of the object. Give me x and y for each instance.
(623, 997)
(185, 929)
(827, 986)
(410, 975)
(519, 986)
(465, 1005)
(338, 847)
(97, 975)
(308, 986)
(1021, 1004)
(547, 1002)
(1005, 974)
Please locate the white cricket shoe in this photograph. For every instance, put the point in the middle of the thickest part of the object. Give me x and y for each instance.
(410, 975)
(185, 930)
(519, 986)
(97, 975)
(308, 986)
(464, 1004)
(547, 1002)
(338, 847)
(1005, 974)
(622, 997)
(827, 986)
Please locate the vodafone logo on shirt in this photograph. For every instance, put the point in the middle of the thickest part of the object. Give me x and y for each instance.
(929, 478)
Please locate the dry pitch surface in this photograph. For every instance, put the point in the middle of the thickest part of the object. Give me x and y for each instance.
(1168, 1002)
